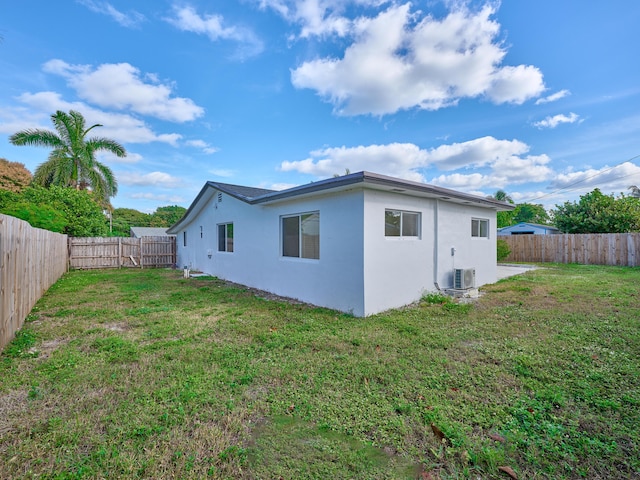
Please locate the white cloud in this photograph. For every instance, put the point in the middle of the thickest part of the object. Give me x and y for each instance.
(319, 18)
(158, 179)
(129, 20)
(398, 159)
(110, 158)
(553, 122)
(553, 97)
(121, 127)
(222, 173)
(202, 145)
(398, 62)
(159, 197)
(608, 179)
(507, 162)
(213, 26)
(122, 86)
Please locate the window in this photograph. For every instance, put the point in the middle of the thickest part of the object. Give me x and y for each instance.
(184, 238)
(479, 227)
(225, 237)
(398, 223)
(301, 236)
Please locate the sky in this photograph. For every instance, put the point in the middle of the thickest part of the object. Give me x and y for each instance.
(539, 98)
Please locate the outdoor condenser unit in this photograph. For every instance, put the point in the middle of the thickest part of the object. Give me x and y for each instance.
(464, 278)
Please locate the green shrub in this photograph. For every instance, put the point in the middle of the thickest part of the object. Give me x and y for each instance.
(503, 250)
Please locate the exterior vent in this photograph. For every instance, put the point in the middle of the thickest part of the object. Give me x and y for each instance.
(219, 197)
(464, 278)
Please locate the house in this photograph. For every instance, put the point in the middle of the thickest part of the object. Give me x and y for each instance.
(360, 243)
(524, 228)
(137, 232)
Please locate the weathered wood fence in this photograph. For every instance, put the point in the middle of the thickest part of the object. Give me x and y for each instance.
(31, 260)
(588, 249)
(117, 252)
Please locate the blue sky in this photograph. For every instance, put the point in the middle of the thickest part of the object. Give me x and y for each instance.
(538, 98)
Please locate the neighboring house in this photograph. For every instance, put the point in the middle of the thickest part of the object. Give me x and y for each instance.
(137, 232)
(360, 243)
(524, 228)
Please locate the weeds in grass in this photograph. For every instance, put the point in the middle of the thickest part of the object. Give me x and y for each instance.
(143, 374)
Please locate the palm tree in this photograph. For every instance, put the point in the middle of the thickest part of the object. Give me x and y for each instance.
(502, 196)
(635, 191)
(72, 162)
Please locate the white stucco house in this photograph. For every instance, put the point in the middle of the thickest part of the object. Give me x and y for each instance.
(360, 243)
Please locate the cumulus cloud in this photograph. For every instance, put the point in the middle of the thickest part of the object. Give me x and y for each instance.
(608, 179)
(553, 97)
(187, 19)
(157, 179)
(318, 17)
(121, 127)
(505, 162)
(130, 19)
(398, 61)
(122, 86)
(202, 145)
(553, 122)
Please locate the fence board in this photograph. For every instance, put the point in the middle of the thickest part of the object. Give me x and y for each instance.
(590, 249)
(31, 260)
(118, 252)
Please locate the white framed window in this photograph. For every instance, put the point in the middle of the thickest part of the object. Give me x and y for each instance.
(184, 238)
(399, 223)
(480, 227)
(301, 235)
(225, 237)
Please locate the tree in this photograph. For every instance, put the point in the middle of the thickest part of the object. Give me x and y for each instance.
(125, 218)
(38, 216)
(502, 196)
(83, 214)
(14, 176)
(530, 213)
(167, 216)
(72, 162)
(598, 213)
(504, 219)
(635, 191)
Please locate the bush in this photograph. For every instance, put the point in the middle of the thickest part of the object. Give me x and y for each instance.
(503, 250)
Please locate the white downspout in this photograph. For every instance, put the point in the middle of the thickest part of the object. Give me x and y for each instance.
(435, 244)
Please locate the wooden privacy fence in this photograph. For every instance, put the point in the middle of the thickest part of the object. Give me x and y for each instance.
(31, 260)
(588, 249)
(117, 252)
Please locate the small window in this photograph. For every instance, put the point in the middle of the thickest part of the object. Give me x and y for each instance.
(398, 223)
(225, 237)
(184, 238)
(301, 236)
(479, 228)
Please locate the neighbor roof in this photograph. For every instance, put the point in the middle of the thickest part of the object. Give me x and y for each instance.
(148, 232)
(372, 180)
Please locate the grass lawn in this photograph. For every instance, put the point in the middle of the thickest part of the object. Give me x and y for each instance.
(143, 374)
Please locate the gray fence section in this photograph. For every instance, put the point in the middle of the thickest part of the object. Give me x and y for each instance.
(118, 252)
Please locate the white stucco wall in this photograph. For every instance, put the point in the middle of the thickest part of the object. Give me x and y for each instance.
(454, 226)
(399, 271)
(359, 270)
(335, 280)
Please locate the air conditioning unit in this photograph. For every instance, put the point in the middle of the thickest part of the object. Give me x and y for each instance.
(464, 278)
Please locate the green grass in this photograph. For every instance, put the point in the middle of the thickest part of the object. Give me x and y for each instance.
(143, 374)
